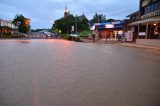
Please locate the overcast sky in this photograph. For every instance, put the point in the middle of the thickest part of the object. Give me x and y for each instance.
(41, 12)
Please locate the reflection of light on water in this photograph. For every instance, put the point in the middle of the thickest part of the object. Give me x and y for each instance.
(65, 47)
(23, 41)
(36, 90)
(48, 40)
(61, 42)
(65, 44)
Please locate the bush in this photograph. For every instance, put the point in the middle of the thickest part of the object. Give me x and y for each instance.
(10, 36)
(64, 35)
(85, 33)
(72, 38)
(67, 37)
(77, 39)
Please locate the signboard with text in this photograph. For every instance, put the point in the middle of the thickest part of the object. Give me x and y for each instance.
(142, 33)
(129, 36)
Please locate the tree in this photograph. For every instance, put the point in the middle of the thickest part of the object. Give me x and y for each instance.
(83, 23)
(20, 21)
(65, 23)
(98, 18)
(110, 20)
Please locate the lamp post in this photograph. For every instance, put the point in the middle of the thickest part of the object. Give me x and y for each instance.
(76, 24)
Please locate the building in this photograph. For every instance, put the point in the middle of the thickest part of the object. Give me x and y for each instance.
(66, 12)
(147, 27)
(108, 29)
(133, 28)
(6, 27)
(7, 23)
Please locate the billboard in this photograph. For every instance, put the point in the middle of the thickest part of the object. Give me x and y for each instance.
(109, 26)
(129, 36)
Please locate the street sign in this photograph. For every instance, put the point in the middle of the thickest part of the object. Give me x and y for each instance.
(60, 31)
(142, 33)
(72, 28)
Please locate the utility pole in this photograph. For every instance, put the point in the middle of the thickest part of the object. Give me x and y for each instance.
(76, 24)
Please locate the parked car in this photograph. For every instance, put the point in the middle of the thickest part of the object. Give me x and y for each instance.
(24, 35)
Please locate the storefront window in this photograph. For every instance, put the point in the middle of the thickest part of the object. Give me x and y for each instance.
(158, 3)
(151, 8)
(156, 6)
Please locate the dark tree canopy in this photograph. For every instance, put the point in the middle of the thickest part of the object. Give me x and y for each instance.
(98, 18)
(110, 20)
(83, 23)
(19, 21)
(65, 23)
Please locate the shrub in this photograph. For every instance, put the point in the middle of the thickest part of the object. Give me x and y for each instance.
(77, 39)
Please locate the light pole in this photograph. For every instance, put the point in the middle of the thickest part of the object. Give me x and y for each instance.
(76, 24)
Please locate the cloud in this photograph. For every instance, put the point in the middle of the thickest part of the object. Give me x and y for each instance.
(41, 12)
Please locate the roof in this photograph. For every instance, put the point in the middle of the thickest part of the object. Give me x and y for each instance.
(1, 27)
(9, 21)
(135, 13)
(150, 20)
(113, 23)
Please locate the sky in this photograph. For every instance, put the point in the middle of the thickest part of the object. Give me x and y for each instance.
(43, 13)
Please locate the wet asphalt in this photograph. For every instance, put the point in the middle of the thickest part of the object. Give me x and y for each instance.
(64, 73)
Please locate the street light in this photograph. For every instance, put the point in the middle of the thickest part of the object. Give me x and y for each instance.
(76, 24)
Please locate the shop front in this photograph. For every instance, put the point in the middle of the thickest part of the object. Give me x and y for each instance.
(148, 25)
(109, 29)
(148, 28)
(148, 31)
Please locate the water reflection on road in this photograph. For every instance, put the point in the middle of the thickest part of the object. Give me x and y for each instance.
(23, 41)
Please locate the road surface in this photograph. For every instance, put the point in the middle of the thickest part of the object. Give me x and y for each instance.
(64, 73)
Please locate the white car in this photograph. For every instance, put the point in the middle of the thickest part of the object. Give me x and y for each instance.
(24, 35)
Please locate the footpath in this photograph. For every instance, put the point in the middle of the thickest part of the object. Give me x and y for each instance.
(139, 46)
(115, 42)
(103, 41)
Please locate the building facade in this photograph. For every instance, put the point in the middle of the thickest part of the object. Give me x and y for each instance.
(148, 24)
(145, 23)
(6, 27)
(108, 29)
(7, 23)
(66, 12)
(133, 28)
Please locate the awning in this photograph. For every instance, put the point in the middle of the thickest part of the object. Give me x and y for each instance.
(150, 20)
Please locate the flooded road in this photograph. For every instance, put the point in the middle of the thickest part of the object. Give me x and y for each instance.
(63, 73)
